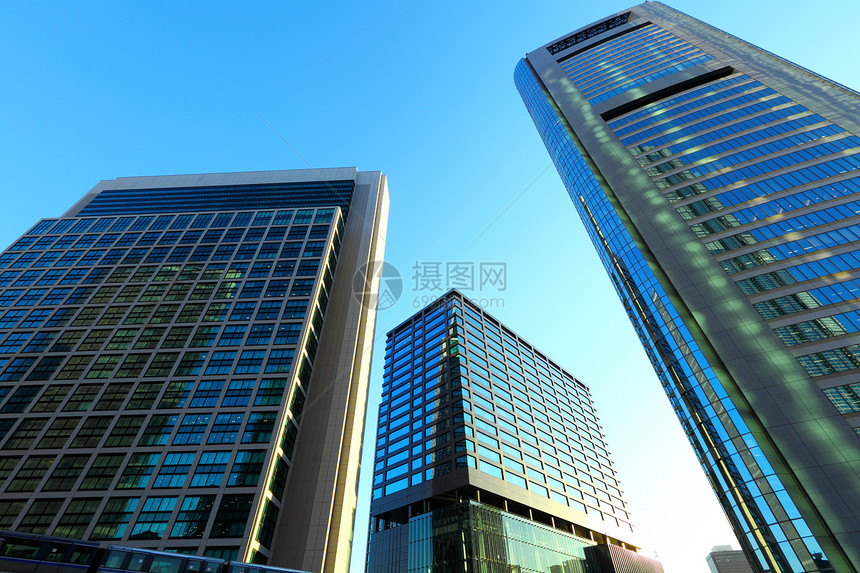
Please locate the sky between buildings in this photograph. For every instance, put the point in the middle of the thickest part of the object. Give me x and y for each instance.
(422, 92)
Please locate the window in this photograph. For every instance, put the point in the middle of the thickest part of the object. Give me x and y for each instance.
(225, 429)
(56, 296)
(51, 399)
(193, 516)
(277, 289)
(158, 430)
(13, 342)
(114, 395)
(66, 473)
(202, 291)
(269, 310)
(153, 293)
(58, 433)
(246, 251)
(103, 366)
(260, 270)
(284, 268)
(204, 337)
(232, 516)
(39, 516)
(191, 363)
(280, 361)
(250, 361)
(46, 366)
(227, 290)
(16, 370)
(216, 312)
(153, 518)
(247, 468)
(175, 395)
(207, 394)
(104, 295)
(77, 518)
(124, 432)
(67, 341)
(177, 292)
(121, 340)
(238, 393)
(270, 392)
(210, 469)
(259, 428)
(191, 430)
(24, 435)
(74, 368)
(35, 318)
(94, 340)
(102, 472)
(308, 268)
(161, 365)
(252, 289)
(232, 335)
(137, 471)
(314, 249)
(11, 318)
(294, 309)
(91, 432)
(87, 316)
(261, 335)
(144, 395)
(83, 396)
(41, 341)
(132, 366)
(243, 311)
(190, 313)
(138, 315)
(115, 518)
(174, 470)
(149, 338)
(177, 337)
(164, 313)
(221, 362)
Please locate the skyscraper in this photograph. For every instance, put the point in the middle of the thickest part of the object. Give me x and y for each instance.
(490, 455)
(185, 364)
(723, 559)
(719, 183)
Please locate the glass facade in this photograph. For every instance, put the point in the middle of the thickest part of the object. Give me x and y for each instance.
(767, 187)
(155, 363)
(471, 408)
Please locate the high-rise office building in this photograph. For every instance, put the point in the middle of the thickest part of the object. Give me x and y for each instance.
(490, 456)
(184, 364)
(719, 184)
(724, 559)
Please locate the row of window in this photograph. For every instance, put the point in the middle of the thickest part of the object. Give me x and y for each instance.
(675, 105)
(128, 518)
(183, 221)
(203, 253)
(113, 396)
(220, 236)
(148, 365)
(636, 58)
(225, 428)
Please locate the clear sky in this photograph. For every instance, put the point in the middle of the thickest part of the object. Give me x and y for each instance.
(420, 91)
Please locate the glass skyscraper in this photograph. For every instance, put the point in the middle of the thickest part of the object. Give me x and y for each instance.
(490, 457)
(718, 183)
(184, 364)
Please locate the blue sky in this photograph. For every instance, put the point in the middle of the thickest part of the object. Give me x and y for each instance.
(420, 91)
